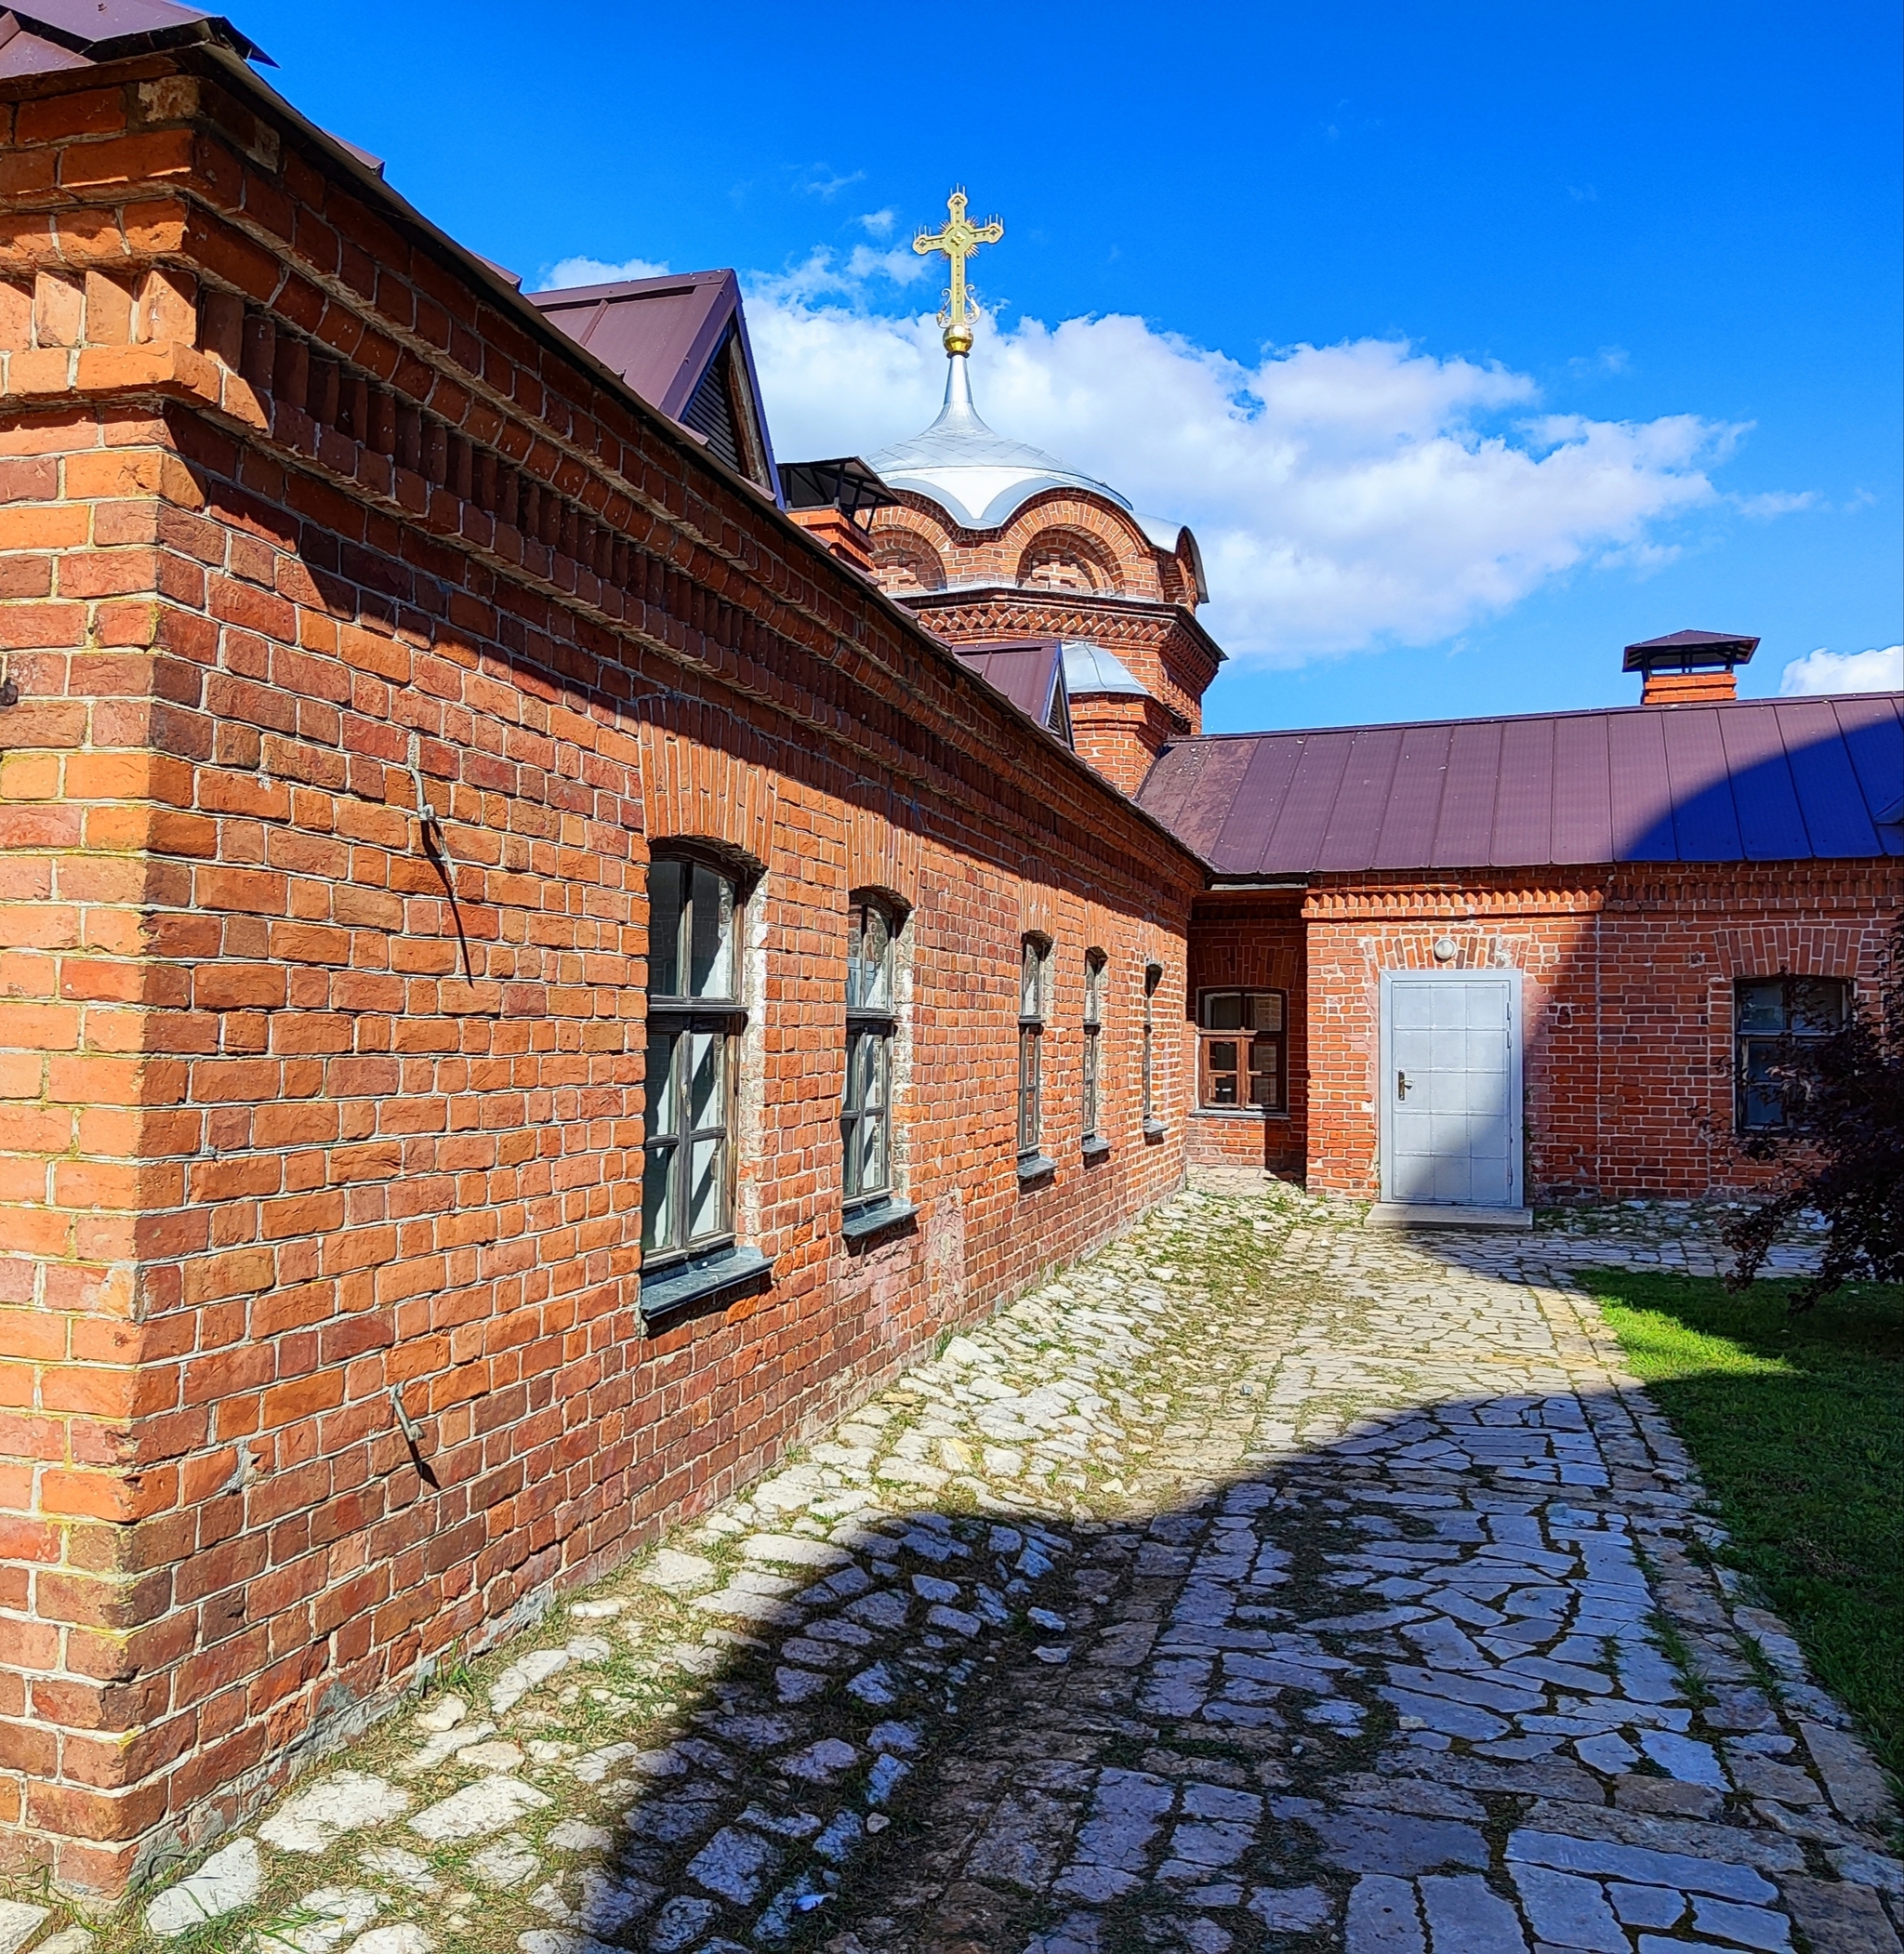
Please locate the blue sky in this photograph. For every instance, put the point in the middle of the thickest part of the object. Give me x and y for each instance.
(1614, 292)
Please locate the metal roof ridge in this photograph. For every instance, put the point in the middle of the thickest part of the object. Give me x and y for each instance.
(1507, 719)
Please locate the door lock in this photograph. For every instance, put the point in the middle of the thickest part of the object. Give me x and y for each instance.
(1401, 1085)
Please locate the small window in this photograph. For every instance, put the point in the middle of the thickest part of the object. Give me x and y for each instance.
(1242, 1057)
(865, 1113)
(1153, 976)
(1767, 1010)
(1034, 955)
(1091, 1068)
(694, 1024)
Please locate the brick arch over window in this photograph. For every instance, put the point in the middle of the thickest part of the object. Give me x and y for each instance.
(1064, 557)
(904, 562)
(1121, 559)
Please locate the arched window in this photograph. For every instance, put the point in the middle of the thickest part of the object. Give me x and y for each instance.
(1033, 957)
(1153, 976)
(872, 1017)
(1091, 1070)
(695, 1019)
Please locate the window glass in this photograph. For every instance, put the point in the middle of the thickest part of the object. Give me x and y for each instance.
(1031, 1005)
(667, 900)
(1766, 1012)
(1090, 1069)
(1762, 1006)
(1222, 1010)
(694, 1024)
(865, 1113)
(712, 935)
(1153, 976)
(1243, 1058)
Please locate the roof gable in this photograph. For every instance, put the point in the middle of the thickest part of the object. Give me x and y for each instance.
(1030, 674)
(1747, 780)
(681, 344)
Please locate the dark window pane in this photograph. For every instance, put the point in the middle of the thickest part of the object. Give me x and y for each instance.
(1223, 1054)
(1222, 1010)
(664, 1118)
(657, 1198)
(665, 895)
(1817, 1005)
(1762, 1006)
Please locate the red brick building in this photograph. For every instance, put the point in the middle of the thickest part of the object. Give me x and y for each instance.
(1540, 958)
(532, 978)
(415, 739)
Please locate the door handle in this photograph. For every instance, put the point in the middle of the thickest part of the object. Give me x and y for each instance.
(1401, 1085)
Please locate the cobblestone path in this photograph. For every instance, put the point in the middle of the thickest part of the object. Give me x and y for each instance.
(1265, 1583)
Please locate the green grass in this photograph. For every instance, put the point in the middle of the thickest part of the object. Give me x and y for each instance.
(1796, 1424)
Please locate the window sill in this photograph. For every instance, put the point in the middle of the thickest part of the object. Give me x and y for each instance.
(1235, 1112)
(1097, 1150)
(1155, 1130)
(680, 1286)
(1034, 1168)
(875, 1219)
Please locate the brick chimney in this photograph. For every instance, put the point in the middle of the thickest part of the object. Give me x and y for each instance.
(835, 500)
(1689, 667)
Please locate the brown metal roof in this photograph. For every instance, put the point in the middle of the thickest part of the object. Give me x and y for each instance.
(68, 33)
(663, 336)
(1030, 673)
(1744, 780)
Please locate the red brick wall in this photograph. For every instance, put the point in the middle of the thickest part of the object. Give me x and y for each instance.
(1251, 942)
(1120, 735)
(290, 493)
(1626, 1007)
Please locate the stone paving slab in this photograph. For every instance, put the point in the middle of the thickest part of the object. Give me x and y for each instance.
(1267, 1582)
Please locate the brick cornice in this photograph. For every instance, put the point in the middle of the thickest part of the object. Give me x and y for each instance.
(226, 200)
(1065, 614)
(1812, 887)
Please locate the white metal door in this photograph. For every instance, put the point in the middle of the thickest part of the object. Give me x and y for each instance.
(1451, 1088)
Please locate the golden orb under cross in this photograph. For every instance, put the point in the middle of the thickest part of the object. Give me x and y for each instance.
(958, 241)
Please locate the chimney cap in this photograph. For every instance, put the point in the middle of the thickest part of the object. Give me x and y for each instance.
(1690, 651)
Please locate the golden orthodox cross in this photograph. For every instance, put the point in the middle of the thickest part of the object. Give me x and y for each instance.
(959, 240)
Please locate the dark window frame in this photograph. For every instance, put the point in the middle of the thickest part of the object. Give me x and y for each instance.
(1153, 980)
(1034, 998)
(1091, 1059)
(1214, 1064)
(872, 1028)
(1758, 1046)
(676, 1020)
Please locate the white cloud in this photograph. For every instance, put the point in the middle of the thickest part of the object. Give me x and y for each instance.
(826, 183)
(1844, 672)
(1776, 502)
(1345, 495)
(878, 223)
(598, 272)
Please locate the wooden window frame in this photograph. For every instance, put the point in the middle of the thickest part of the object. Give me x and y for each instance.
(872, 1025)
(1033, 987)
(1748, 1043)
(1152, 979)
(676, 1022)
(1210, 1038)
(1091, 1059)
